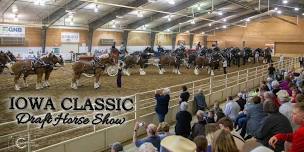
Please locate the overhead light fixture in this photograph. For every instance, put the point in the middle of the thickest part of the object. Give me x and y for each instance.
(279, 12)
(209, 12)
(303, 14)
(169, 18)
(209, 24)
(168, 30)
(217, 28)
(220, 13)
(193, 21)
(203, 33)
(285, 1)
(248, 20)
(276, 9)
(14, 9)
(224, 26)
(140, 14)
(198, 7)
(296, 9)
(172, 2)
(224, 20)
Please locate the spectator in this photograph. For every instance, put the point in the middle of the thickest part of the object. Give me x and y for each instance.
(241, 102)
(297, 138)
(285, 84)
(162, 103)
(294, 93)
(272, 124)
(176, 143)
(118, 78)
(226, 124)
(117, 147)
(183, 120)
(231, 109)
(163, 130)
(268, 96)
(201, 143)
(216, 107)
(286, 107)
(271, 71)
(275, 87)
(152, 137)
(184, 96)
(299, 98)
(223, 142)
(147, 147)
(210, 129)
(218, 116)
(198, 128)
(269, 80)
(210, 117)
(199, 101)
(225, 66)
(255, 115)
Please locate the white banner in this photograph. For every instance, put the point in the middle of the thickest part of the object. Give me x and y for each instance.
(69, 37)
(12, 31)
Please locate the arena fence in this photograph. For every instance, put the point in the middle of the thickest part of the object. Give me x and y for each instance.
(98, 138)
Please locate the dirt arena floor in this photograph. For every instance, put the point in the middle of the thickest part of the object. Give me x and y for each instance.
(60, 87)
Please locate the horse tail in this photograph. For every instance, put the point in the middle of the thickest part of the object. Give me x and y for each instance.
(88, 75)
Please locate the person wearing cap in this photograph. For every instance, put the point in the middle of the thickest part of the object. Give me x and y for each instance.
(176, 143)
(183, 121)
(117, 147)
(151, 138)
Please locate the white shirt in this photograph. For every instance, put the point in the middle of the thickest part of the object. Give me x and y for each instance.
(286, 110)
(225, 63)
(232, 109)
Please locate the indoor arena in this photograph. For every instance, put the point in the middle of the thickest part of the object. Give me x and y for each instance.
(152, 76)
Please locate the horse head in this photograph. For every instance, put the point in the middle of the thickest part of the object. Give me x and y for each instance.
(4, 58)
(11, 56)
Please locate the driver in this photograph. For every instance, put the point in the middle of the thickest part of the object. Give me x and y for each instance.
(122, 51)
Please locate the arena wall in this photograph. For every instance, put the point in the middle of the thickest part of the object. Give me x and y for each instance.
(263, 32)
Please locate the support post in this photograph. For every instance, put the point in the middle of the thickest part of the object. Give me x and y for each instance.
(125, 37)
(90, 39)
(152, 39)
(191, 40)
(173, 41)
(43, 38)
(205, 38)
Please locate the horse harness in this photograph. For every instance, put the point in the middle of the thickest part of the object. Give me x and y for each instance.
(94, 65)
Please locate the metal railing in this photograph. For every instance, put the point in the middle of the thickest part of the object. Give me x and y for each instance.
(145, 102)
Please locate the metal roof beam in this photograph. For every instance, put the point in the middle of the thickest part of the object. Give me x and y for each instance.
(52, 18)
(165, 26)
(118, 12)
(156, 16)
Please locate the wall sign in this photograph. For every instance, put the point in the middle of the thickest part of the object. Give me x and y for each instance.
(12, 31)
(69, 37)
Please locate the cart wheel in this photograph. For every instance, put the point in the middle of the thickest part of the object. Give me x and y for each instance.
(112, 70)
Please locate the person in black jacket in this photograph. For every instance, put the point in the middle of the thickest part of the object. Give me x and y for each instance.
(162, 103)
(183, 120)
(272, 124)
(184, 96)
(198, 128)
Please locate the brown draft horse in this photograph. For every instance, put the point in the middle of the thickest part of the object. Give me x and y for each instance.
(4, 60)
(95, 67)
(41, 66)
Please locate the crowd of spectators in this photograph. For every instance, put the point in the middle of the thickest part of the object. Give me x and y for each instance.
(269, 118)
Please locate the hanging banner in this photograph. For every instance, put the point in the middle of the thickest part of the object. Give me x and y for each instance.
(70, 37)
(12, 31)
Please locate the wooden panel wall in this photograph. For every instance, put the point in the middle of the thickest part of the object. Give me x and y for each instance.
(291, 48)
(138, 39)
(97, 35)
(163, 39)
(33, 37)
(54, 36)
(198, 38)
(259, 33)
(183, 37)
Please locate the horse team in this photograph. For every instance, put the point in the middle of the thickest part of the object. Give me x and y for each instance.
(205, 57)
